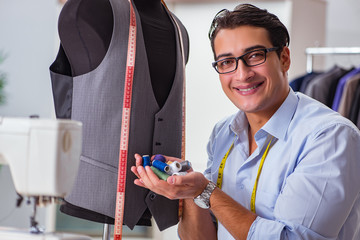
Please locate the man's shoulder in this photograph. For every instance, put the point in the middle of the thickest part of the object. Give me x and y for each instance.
(312, 115)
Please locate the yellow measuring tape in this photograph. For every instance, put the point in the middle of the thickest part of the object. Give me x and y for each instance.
(222, 166)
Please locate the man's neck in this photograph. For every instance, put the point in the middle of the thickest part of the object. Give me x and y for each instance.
(255, 123)
(258, 119)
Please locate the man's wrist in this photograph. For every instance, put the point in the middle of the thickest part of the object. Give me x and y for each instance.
(203, 199)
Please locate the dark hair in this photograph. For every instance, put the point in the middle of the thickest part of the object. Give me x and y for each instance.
(249, 15)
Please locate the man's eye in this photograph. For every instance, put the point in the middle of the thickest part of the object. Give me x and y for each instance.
(227, 62)
(256, 55)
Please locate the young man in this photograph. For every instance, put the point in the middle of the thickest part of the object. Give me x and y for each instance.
(285, 166)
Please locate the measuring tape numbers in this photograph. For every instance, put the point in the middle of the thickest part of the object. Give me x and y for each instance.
(125, 123)
(125, 126)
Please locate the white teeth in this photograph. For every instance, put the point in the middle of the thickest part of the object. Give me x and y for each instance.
(247, 89)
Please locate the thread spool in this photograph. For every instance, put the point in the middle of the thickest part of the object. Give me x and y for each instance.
(185, 166)
(159, 173)
(174, 167)
(160, 158)
(161, 166)
(146, 160)
(179, 173)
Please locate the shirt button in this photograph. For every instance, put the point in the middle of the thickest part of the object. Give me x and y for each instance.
(241, 186)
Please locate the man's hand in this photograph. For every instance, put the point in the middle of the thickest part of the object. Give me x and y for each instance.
(176, 187)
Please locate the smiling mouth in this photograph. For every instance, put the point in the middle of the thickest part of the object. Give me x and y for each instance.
(248, 89)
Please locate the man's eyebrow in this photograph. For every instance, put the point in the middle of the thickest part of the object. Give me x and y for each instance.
(245, 51)
(253, 48)
(223, 55)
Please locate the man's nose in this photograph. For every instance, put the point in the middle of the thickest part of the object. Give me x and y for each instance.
(243, 72)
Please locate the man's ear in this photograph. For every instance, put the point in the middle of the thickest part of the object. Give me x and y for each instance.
(285, 59)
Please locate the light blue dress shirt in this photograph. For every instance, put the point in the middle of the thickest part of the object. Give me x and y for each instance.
(310, 182)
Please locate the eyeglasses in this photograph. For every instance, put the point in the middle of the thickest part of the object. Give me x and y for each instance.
(214, 23)
(250, 59)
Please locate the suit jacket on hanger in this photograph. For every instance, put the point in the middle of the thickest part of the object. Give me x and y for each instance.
(348, 96)
(340, 88)
(355, 107)
(323, 86)
(302, 80)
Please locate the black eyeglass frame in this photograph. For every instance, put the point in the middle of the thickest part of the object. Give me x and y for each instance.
(266, 50)
(213, 26)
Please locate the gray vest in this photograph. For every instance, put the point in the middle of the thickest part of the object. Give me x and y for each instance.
(95, 99)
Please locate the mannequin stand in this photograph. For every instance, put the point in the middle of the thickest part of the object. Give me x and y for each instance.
(106, 232)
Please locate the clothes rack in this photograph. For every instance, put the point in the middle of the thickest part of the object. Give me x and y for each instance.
(310, 52)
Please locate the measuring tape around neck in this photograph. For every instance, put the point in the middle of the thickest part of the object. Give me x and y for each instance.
(125, 123)
(253, 194)
(222, 166)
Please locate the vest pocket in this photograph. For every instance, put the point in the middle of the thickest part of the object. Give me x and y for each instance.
(98, 164)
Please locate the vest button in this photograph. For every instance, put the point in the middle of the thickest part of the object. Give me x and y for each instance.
(157, 144)
(160, 119)
(152, 196)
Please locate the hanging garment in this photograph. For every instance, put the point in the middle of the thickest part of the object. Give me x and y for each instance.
(355, 107)
(95, 99)
(306, 81)
(323, 86)
(348, 95)
(296, 83)
(340, 88)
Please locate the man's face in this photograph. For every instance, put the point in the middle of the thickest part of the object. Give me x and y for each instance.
(255, 90)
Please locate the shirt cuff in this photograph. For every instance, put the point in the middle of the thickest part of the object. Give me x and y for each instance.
(263, 228)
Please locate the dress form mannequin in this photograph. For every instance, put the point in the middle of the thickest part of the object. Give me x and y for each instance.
(86, 28)
(159, 36)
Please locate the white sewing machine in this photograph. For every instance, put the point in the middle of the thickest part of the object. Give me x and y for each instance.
(43, 157)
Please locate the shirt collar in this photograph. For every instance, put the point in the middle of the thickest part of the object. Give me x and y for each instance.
(239, 123)
(277, 125)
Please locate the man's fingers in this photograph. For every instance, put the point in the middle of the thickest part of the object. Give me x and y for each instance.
(152, 176)
(134, 170)
(188, 179)
(151, 181)
(139, 182)
(148, 176)
(176, 187)
(138, 160)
